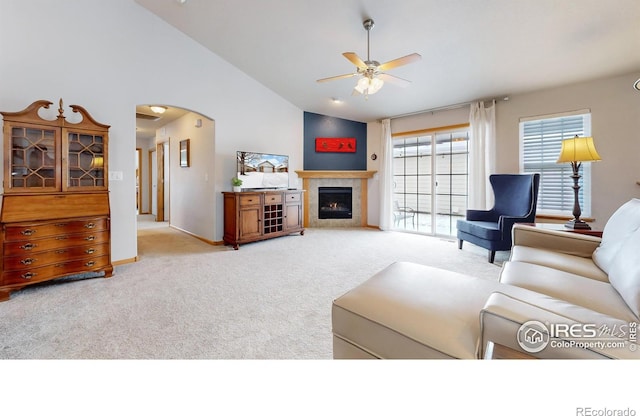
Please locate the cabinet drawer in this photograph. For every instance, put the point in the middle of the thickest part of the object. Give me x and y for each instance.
(38, 259)
(29, 231)
(15, 248)
(293, 197)
(273, 199)
(38, 274)
(249, 200)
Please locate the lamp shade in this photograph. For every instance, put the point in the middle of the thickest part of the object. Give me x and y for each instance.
(578, 149)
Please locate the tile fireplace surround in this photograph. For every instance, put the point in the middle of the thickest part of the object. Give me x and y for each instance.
(356, 179)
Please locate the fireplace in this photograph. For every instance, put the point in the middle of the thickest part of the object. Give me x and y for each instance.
(334, 202)
(357, 180)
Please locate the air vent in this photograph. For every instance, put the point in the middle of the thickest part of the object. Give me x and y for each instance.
(146, 116)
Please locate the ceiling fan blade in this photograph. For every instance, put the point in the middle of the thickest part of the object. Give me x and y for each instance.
(337, 77)
(399, 62)
(355, 59)
(400, 82)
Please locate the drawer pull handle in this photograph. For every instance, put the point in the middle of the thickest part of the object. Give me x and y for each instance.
(90, 263)
(62, 237)
(28, 246)
(27, 261)
(28, 231)
(61, 224)
(29, 275)
(90, 226)
(90, 250)
(91, 238)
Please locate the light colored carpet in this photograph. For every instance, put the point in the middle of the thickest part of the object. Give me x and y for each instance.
(185, 299)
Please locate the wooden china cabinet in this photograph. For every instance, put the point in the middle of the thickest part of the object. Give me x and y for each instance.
(55, 218)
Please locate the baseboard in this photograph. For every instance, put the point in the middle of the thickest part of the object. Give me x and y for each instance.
(125, 261)
(211, 242)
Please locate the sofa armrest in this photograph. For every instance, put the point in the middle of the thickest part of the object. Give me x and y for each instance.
(503, 316)
(555, 240)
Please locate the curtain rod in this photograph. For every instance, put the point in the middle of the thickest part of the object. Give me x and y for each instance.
(447, 107)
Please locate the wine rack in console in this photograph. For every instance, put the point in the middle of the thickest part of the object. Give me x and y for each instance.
(55, 218)
(254, 216)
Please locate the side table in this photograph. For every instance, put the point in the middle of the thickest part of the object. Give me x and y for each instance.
(561, 227)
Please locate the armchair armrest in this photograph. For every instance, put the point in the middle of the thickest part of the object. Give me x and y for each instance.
(507, 222)
(481, 215)
(503, 316)
(561, 241)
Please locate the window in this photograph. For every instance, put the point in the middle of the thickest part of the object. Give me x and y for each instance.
(540, 143)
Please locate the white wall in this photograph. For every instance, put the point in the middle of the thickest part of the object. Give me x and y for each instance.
(192, 190)
(615, 121)
(108, 56)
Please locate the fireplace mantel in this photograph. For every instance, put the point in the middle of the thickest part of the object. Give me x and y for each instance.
(359, 176)
(336, 174)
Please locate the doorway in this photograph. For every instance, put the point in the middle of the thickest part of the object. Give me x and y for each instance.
(430, 179)
(171, 191)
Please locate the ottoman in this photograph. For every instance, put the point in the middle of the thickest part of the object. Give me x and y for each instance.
(411, 311)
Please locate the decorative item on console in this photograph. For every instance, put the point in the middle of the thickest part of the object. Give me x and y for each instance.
(237, 184)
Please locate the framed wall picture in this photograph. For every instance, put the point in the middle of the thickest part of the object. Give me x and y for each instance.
(336, 144)
(184, 153)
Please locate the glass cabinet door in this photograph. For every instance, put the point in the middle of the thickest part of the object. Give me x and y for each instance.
(32, 161)
(85, 161)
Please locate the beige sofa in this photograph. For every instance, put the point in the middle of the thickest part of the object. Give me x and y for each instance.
(560, 295)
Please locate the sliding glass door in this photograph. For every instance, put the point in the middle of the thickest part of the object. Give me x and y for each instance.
(430, 177)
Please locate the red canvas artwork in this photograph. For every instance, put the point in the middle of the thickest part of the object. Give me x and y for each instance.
(336, 144)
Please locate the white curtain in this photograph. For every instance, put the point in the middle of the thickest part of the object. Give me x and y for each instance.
(482, 154)
(386, 174)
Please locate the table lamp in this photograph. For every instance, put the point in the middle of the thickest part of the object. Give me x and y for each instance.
(576, 151)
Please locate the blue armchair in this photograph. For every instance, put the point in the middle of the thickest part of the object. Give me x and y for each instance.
(516, 198)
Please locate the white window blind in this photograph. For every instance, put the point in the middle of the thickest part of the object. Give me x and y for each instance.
(541, 141)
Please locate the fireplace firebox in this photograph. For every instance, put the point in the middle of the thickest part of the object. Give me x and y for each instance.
(334, 202)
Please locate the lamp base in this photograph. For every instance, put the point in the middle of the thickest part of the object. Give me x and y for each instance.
(577, 225)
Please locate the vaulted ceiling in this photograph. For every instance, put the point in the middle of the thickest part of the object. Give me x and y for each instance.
(470, 49)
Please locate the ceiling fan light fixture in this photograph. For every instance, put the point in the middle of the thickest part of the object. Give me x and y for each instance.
(374, 85)
(371, 71)
(158, 109)
(362, 85)
(368, 86)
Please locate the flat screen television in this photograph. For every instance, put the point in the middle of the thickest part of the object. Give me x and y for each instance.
(262, 170)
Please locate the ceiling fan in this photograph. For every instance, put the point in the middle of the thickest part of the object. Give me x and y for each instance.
(372, 73)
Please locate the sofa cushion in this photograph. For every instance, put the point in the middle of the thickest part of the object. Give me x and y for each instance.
(556, 260)
(482, 229)
(624, 222)
(587, 293)
(625, 272)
